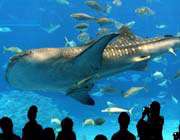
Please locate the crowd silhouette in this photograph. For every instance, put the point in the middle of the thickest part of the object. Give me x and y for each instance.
(149, 127)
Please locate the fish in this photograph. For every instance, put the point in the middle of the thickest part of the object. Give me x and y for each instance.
(162, 94)
(99, 121)
(158, 75)
(114, 109)
(144, 11)
(45, 69)
(64, 2)
(162, 26)
(81, 26)
(157, 59)
(69, 43)
(104, 21)
(82, 16)
(174, 99)
(15, 50)
(89, 122)
(52, 28)
(94, 122)
(83, 37)
(102, 31)
(110, 104)
(108, 89)
(132, 91)
(97, 94)
(56, 121)
(117, 2)
(160, 59)
(5, 29)
(93, 4)
(108, 8)
(135, 77)
(177, 75)
(164, 83)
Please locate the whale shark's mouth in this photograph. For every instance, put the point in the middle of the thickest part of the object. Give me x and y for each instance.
(14, 60)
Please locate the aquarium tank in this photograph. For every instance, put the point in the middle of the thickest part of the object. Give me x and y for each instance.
(89, 60)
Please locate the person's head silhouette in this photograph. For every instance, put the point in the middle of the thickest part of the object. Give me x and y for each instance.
(67, 124)
(32, 113)
(48, 134)
(100, 137)
(124, 120)
(6, 125)
(155, 108)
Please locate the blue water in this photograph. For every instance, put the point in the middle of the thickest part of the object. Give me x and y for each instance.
(26, 17)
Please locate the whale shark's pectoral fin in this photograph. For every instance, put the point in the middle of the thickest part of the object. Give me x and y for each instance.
(90, 59)
(81, 94)
(141, 66)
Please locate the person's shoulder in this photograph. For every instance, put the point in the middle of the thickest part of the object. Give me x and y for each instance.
(161, 119)
(115, 135)
(39, 126)
(26, 125)
(131, 135)
(16, 137)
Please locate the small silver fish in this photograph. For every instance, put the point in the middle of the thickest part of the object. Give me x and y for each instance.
(5, 29)
(83, 37)
(132, 91)
(52, 28)
(174, 99)
(81, 26)
(64, 2)
(144, 11)
(82, 16)
(177, 75)
(104, 21)
(93, 4)
(117, 2)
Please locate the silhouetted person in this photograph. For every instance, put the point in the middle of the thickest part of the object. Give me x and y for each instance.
(123, 133)
(176, 135)
(150, 125)
(67, 132)
(7, 128)
(48, 134)
(32, 130)
(100, 137)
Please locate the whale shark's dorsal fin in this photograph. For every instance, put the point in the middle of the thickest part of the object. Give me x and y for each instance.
(126, 38)
(125, 32)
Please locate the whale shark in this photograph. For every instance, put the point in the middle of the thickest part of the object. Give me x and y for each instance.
(75, 70)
